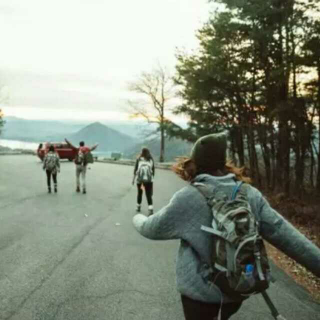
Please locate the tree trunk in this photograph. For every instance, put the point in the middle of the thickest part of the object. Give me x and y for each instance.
(318, 105)
(162, 142)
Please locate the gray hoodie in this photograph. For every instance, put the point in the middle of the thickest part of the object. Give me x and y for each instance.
(187, 211)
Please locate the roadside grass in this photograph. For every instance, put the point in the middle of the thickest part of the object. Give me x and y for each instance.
(305, 216)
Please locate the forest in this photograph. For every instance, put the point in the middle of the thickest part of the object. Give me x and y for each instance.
(257, 76)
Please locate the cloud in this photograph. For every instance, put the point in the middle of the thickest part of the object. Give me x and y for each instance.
(7, 10)
(80, 54)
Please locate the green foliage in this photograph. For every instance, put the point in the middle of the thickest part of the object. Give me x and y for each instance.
(248, 78)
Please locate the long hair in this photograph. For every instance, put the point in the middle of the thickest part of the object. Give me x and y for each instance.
(187, 170)
(145, 153)
(51, 148)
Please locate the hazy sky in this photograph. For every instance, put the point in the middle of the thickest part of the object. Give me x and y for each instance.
(72, 59)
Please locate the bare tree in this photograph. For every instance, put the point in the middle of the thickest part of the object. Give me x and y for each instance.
(156, 89)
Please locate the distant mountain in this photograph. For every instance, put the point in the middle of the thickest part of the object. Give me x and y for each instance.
(49, 130)
(36, 130)
(173, 148)
(108, 139)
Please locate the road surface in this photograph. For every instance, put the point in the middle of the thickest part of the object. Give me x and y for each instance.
(77, 257)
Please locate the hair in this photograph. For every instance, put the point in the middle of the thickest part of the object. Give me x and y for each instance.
(187, 170)
(51, 148)
(81, 143)
(145, 153)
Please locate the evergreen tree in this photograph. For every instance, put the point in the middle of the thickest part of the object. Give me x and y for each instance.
(247, 78)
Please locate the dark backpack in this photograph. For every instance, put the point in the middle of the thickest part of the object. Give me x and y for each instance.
(88, 158)
(240, 263)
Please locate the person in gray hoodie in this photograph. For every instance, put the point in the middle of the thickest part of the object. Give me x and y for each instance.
(187, 211)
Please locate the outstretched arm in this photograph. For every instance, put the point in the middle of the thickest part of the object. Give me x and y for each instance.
(94, 147)
(166, 224)
(284, 236)
(70, 144)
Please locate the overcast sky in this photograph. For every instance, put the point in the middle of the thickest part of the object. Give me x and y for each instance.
(72, 59)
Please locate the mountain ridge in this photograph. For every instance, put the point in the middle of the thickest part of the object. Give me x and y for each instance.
(108, 139)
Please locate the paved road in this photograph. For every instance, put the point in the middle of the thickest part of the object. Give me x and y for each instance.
(56, 263)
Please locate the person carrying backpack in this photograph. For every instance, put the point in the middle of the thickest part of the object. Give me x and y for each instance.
(144, 173)
(221, 220)
(82, 159)
(51, 164)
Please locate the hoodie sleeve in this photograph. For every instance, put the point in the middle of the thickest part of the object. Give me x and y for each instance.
(281, 234)
(166, 224)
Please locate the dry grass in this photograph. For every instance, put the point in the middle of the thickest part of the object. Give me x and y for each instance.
(305, 216)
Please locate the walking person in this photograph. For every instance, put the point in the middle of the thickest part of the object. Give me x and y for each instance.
(144, 173)
(204, 284)
(83, 158)
(51, 164)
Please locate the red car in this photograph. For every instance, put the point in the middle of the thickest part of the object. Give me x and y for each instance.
(63, 149)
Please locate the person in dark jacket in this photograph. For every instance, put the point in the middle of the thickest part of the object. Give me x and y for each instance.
(187, 211)
(144, 173)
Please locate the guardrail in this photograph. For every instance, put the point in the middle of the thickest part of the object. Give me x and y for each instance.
(14, 153)
(128, 162)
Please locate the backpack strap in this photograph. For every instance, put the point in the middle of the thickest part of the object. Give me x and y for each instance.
(275, 313)
(235, 190)
(207, 192)
(230, 254)
(215, 232)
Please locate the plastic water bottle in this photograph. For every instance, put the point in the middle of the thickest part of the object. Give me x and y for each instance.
(249, 269)
(249, 275)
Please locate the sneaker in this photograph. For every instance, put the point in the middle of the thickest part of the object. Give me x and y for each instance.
(78, 189)
(84, 191)
(150, 210)
(138, 209)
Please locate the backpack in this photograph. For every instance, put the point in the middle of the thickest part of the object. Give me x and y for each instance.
(84, 158)
(79, 159)
(240, 265)
(88, 158)
(144, 172)
(51, 162)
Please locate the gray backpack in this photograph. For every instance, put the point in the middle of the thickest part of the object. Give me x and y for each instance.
(144, 172)
(51, 161)
(240, 265)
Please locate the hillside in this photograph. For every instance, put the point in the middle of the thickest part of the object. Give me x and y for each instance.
(52, 130)
(36, 130)
(108, 139)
